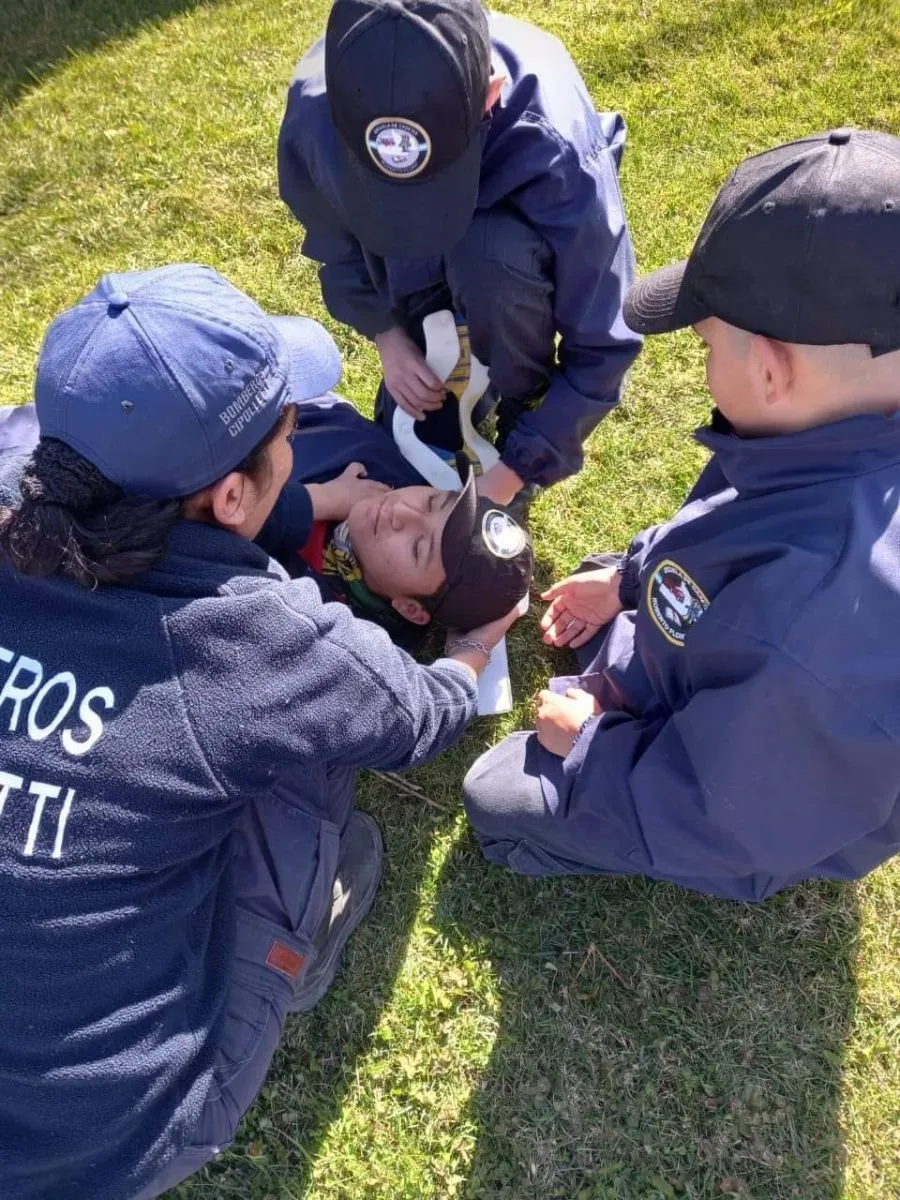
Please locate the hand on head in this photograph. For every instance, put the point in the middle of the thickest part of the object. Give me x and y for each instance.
(332, 501)
(474, 646)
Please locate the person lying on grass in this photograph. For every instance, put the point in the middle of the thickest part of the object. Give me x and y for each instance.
(361, 522)
(400, 557)
(736, 725)
(181, 724)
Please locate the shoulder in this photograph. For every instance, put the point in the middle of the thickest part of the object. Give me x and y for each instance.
(546, 91)
(823, 594)
(307, 112)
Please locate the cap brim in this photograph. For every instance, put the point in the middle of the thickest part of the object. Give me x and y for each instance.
(410, 218)
(315, 361)
(460, 523)
(663, 302)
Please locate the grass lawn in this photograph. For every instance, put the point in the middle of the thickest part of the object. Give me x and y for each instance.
(490, 1036)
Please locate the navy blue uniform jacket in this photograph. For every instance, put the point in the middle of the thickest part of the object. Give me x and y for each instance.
(548, 157)
(753, 682)
(135, 722)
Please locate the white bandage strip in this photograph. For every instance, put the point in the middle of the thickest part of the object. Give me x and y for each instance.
(442, 353)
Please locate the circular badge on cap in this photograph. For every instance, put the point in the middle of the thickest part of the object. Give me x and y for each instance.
(503, 536)
(398, 147)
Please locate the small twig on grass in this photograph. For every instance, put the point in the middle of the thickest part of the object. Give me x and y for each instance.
(593, 952)
(403, 785)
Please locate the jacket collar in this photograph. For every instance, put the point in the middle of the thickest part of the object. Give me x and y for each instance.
(839, 450)
(206, 554)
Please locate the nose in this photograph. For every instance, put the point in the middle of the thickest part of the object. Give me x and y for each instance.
(404, 515)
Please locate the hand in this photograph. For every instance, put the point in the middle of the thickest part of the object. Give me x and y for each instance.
(332, 501)
(579, 606)
(558, 719)
(488, 635)
(499, 483)
(407, 375)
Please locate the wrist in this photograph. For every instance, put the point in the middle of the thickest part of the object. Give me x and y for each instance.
(470, 652)
(325, 503)
(386, 335)
(500, 483)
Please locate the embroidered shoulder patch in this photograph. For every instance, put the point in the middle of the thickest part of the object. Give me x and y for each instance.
(674, 600)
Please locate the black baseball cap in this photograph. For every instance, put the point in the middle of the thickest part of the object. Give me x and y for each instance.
(487, 556)
(802, 244)
(406, 83)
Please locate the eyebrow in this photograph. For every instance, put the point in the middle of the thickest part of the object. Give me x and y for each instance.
(447, 500)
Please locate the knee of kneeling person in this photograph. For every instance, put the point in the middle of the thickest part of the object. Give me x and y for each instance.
(480, 795)
(500, 790)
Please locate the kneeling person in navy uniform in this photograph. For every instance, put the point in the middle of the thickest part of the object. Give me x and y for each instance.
(180, 727)
(441, 157)
(736, 726)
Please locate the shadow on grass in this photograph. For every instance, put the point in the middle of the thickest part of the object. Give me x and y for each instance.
(652, 1043)
(36, 35)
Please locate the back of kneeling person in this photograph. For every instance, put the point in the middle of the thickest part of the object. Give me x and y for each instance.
(735, 728)
(180, 862)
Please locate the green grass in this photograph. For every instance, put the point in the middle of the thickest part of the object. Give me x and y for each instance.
(490, 1036)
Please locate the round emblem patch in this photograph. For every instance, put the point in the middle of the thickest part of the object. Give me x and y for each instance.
(398, 147)
(502, 535)
(674, 600)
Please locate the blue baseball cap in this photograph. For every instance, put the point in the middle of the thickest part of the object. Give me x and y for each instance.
(167, 379)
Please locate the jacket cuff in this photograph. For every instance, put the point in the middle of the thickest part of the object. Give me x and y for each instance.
(289, 523)
(373, 322)
(574, 760)
(629, 584)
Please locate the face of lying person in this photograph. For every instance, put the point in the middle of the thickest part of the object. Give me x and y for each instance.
(397, 540)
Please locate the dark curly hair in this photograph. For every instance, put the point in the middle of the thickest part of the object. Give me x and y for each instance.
(76, 524)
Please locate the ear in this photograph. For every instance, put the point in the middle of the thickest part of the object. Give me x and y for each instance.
(230, 501)
(775, 368)
(495, 87)
(411, 610)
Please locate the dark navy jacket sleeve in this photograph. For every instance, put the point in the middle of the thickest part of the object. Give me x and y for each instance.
(710, 490)
(290, 523)
(765, 772)
(306, 133)
(324, 688)
(573, 201)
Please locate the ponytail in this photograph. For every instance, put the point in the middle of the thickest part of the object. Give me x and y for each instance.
(74, 523)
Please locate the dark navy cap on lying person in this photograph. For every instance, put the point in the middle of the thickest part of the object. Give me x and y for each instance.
(407, 83)
(802, 244)
(487, 556)
(167, 379)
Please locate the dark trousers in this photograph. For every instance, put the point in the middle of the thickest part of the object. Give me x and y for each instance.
(498, 279)
(285, 863)
(515, 797)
